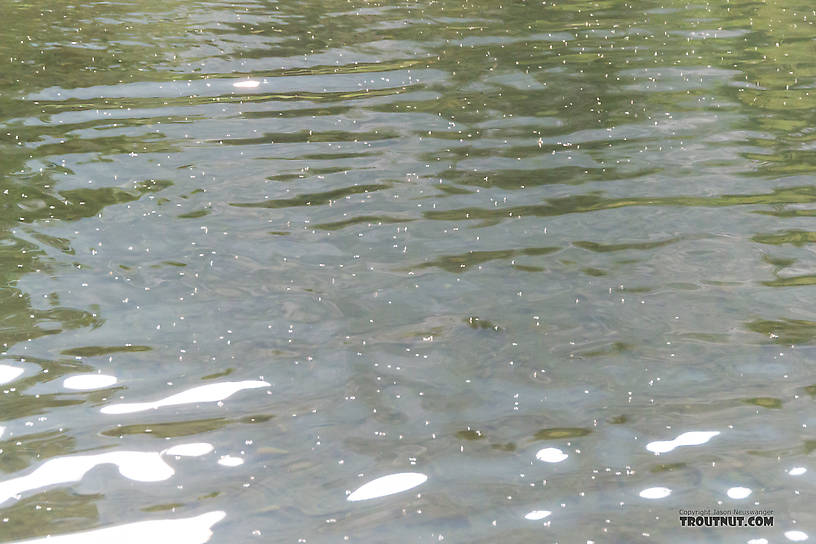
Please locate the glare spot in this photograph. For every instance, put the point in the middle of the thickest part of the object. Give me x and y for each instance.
(230, 461)
(134, 465)
(195, 530)
(694, 438)
(388, 485)
(85, 382)
(536, 515)
(738, 492)
(190, 450)
(206, 393)
(551, 455)
(139, 466)
(655, 493)
(9, 373)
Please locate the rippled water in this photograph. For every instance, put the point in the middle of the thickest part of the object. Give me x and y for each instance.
(405, 272)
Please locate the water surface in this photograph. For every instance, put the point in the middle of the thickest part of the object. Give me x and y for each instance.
(304, 271)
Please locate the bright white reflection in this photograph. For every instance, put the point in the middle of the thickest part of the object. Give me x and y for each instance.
(738, 492)
(213, 392)
(230, 461)
(551, 455)
(796, 536)
(388, 485)
(655, 493)
(536, 515)
(795, 471)
(85, 382)
(9, 373)
(195, 530)
(134, 465)
(2, 430)
(139, 466)
(190, 450)
(246, 84)
(694, 438)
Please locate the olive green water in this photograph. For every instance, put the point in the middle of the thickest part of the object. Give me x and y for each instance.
(446, 235)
